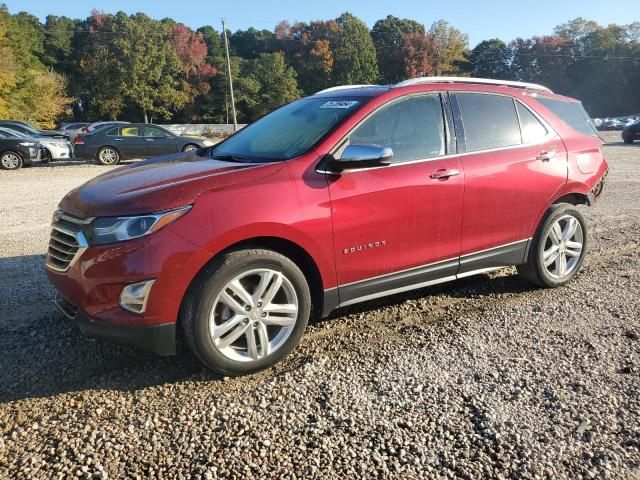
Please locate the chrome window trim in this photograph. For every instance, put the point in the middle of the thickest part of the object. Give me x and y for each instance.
(551, 134)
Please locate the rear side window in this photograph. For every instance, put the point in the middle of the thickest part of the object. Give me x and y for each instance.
(130, 132)
(113, 132)
(413, 127)
(489, 121)
(532, 129)
(572, 113)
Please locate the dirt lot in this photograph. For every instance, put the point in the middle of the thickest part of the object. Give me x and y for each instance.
(482, 377)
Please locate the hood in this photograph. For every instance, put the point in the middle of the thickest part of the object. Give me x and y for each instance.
(158, 184)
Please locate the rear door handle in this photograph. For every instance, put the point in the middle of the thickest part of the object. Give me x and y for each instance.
(149, 139)
(444, 173)
(546, 156)
(118, 139)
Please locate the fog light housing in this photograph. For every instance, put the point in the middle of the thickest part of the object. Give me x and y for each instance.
(134, 296)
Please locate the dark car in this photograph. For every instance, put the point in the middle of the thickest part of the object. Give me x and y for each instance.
(16, 152)
(32, 131)
(631, 132)
(110, 144)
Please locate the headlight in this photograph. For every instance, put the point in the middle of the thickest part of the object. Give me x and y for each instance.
(27, 144)
(208, 143)
(105, 230)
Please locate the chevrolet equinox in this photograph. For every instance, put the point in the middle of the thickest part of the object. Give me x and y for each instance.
(347, 195)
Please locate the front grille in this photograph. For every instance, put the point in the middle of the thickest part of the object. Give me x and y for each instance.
(66, 243)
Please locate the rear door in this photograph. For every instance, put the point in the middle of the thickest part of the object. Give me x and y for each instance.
(514, 163)
(158, 141)
(130, 143)
(398, 226)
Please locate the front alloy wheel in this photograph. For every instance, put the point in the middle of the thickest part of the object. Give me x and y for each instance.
(253, 315)
(246, 311)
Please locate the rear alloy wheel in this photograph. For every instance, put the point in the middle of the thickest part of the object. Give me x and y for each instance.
(108, 156)
(10, 161)
(189, 148)
(558, 250)
(246, 311)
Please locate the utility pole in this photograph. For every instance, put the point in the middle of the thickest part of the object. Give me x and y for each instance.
(233, 103)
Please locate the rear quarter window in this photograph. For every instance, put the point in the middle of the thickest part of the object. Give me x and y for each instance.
(572, 113)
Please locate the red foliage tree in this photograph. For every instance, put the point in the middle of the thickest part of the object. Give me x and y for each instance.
(191, 49)
(419, 54)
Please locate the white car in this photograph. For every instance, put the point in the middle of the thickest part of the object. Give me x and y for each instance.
(55, 149)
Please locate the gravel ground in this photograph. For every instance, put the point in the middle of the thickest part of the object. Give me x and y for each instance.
(486, 377)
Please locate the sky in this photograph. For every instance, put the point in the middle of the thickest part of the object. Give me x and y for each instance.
(501, 19)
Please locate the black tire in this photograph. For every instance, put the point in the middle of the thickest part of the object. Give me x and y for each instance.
(10, 160)
(190, 146)
(45, 156)
(200, 300)
(108, 156)
(627, 140)
(533, 270)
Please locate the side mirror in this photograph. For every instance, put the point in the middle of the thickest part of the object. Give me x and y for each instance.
(360, 156)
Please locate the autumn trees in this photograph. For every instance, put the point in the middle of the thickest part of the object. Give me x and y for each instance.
(111, 66)
(28, 91)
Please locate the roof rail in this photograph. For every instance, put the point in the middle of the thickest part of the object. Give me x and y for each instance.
(483, 81)
(343, 87)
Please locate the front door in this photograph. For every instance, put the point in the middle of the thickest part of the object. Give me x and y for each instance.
(159, 142)
(398, 226)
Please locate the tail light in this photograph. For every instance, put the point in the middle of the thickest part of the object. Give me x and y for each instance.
(79, 140)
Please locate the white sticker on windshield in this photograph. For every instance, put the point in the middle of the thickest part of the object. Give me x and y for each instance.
(339, 104)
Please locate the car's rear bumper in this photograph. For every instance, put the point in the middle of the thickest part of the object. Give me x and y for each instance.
(160, 339)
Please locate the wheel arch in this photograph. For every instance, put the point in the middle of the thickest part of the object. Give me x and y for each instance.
(574, 198)
(295, 252)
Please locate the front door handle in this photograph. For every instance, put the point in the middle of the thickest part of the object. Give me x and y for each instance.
(444, 173)
(545, 156)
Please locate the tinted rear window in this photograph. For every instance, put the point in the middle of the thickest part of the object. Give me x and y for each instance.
(490, 121)
(572, 113)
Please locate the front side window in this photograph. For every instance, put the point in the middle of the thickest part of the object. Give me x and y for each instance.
(532, 129)
(413, 127)
(154, 132)
(489, 121)
(288, 131)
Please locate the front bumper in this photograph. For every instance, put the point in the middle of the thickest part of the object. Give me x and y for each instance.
(92, 284)
(60, 152)
(159, 339)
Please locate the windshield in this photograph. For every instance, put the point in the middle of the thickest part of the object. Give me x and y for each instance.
(288, 131)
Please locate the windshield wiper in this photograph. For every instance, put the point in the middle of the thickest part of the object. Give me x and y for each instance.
(229, 158)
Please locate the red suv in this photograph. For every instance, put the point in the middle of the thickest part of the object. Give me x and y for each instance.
(347, 195)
